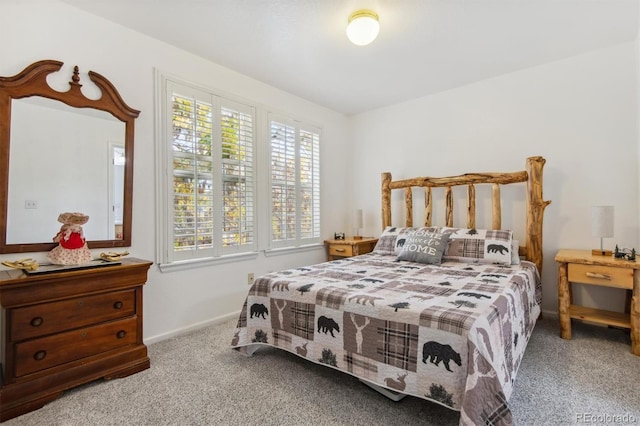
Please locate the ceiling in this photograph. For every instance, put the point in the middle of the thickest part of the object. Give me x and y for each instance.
(424, 46)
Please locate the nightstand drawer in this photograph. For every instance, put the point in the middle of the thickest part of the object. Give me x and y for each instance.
(609, 276)
(48, 318)
(341, 250)
(47, 352)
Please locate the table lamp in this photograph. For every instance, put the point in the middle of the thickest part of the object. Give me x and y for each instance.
(602, 227)
(357, 223)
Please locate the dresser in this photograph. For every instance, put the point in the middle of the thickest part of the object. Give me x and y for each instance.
(63, 329)
(582, 267)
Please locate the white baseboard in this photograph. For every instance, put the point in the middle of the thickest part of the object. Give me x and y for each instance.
(550, 314)
(210, 322)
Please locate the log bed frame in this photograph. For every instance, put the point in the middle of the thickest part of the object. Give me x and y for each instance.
(535, 205)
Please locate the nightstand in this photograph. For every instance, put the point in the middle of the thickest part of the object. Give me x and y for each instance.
(349, 247)
(580, 266)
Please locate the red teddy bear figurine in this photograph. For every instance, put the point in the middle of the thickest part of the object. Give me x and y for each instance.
(72, 248)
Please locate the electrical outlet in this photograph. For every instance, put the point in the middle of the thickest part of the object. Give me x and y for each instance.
(30, 204)
(250, 278)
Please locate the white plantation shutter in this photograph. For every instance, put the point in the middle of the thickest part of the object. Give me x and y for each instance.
(295, 183)
(192, 177)
(208, 178)
(309, 184)
(238, 180)
(212, 180)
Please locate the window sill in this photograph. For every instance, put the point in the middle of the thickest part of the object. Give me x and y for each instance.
(290, 250)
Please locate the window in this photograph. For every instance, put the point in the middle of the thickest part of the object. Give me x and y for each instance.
(295, 183)
(208, 197)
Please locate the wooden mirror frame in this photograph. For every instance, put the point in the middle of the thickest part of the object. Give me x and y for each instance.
(32, 81)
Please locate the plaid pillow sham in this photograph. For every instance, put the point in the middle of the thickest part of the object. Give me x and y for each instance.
(478, 245)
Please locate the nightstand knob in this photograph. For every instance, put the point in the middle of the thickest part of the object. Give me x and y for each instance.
(37, 321)
(39, 355)
(340, 250)
(120, 334)
(117, 305)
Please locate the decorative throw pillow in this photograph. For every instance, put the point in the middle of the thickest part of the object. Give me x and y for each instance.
(424, 247)
(393, 238)
(478, 245)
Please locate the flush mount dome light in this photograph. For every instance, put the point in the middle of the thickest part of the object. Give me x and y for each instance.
(363, 27)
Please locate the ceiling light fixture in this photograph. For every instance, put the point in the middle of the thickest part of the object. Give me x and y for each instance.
(363, 27)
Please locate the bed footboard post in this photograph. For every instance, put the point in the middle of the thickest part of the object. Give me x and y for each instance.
(535, 210)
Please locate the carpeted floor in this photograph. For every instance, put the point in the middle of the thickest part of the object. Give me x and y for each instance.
(196, 379)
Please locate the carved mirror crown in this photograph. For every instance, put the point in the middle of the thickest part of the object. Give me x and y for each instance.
(27, 166)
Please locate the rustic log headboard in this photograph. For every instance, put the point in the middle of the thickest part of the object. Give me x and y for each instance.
(535, 205)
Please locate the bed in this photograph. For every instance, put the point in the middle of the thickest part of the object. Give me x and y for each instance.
(441, 313)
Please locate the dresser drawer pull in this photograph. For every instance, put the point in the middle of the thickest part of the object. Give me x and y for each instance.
(118, 305)
(598, 276)
(39, 356)
(340, 250)
(37, 321)
(120, 334)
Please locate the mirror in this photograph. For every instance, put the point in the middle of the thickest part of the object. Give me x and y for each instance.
(61, 151)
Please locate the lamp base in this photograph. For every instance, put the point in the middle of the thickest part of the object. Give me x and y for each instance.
(598, 252)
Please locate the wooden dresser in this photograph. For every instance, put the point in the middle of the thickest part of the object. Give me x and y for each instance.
(63, 329)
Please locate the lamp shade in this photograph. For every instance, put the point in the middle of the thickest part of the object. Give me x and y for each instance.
(602, 221)
(363, 27)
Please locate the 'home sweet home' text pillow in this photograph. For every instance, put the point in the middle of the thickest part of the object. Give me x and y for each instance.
(393, 238)
(424, 247)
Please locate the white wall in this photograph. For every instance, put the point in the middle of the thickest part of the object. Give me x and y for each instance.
(580, 114)
(636, 91)
(36, 30)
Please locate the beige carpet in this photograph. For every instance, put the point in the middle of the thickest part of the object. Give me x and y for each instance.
(196, 379)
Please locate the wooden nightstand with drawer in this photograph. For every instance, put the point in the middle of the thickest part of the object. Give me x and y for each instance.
(349, 247)
(580, 266)
(62, 329)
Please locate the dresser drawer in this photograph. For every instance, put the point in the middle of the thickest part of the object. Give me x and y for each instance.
(340, 250)
(47, 352)
(48, 318)
(609, 276)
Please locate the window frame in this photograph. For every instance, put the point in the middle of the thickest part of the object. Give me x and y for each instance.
(298, 241)
(166, 256)
(261, 182)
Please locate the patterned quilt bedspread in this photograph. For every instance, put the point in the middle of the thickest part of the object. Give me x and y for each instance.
(453, 334)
